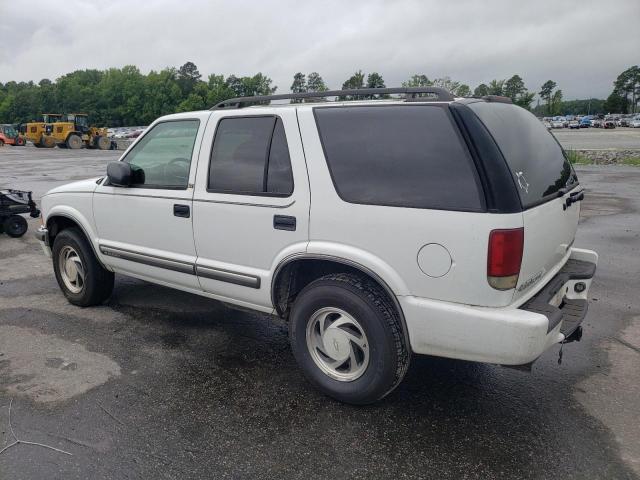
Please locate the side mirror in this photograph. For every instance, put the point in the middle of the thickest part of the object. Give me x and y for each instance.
(119, 174)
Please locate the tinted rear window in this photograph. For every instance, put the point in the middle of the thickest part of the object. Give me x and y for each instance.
(535, 158)
(405, 156)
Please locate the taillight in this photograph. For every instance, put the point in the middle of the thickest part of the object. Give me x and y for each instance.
(505, 257)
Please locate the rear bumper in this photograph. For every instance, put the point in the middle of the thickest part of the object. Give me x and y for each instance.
(513, 335)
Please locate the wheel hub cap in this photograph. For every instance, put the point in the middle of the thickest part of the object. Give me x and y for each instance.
(337, 344)
(71, 269)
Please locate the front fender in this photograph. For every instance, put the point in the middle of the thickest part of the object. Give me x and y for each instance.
(81, 215)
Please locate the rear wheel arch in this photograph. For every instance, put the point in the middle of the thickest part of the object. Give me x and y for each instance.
(295, 273)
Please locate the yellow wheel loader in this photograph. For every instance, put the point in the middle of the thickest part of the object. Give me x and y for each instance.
(40, 133)
(74, 132)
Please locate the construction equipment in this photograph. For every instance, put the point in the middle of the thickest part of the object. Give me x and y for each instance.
(39, 133)
(74, 132)
(10, 136)
(12, 204)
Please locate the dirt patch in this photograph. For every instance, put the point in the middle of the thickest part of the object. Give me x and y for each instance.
(613, 397)
(596, 204)
(46, 368)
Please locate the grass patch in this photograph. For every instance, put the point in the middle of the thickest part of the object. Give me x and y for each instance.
(635, 161)
(576, 158)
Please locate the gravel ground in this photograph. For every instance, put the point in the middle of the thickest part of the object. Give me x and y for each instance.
(599, 139)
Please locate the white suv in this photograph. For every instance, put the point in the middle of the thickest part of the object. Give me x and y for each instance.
(376, 228)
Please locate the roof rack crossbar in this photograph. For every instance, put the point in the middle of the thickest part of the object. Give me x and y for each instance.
(411, 93)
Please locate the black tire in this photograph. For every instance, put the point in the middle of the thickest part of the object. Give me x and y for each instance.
(15, 226)
(74, 141)
(1, 143)
(363, 300)
(47, 141)
(62, 145)
(102, 143)
(98, 282)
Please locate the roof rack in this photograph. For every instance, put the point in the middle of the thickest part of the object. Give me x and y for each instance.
(497, 99)
(411, 93)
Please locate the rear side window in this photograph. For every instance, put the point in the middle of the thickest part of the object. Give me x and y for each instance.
(404, 156)
(250, 156)
(535, 158)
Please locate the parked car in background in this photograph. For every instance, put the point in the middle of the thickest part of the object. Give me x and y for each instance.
(585, 122)
(557, 124)
(608, 124)
(635, 122)
(574, 125)
(596, 123)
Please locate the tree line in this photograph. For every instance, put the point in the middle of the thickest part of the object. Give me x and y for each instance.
(125, 96)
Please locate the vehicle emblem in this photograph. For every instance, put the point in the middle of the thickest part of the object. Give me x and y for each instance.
(522, 182)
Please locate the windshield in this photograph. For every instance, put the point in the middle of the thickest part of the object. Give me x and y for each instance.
(9, 131)
(535, 158)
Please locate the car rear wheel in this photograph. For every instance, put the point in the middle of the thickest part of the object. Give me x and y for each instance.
(348, 339)
(15, 226)
(79, 274)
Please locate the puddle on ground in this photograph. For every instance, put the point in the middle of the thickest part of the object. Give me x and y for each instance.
(46, 368)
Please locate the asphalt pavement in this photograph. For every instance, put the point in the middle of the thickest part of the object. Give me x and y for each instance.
(162, 384)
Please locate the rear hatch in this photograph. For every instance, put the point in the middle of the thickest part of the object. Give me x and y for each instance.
(545, 180)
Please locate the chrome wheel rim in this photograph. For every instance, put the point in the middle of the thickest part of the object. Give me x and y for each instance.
(338, 344)
(71, 269)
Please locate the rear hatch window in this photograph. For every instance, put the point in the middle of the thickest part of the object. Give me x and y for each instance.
(536, 160)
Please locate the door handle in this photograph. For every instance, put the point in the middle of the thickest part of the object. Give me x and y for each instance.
(284, 222)
(181, 211)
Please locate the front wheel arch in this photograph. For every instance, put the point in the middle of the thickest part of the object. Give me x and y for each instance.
(57, 223)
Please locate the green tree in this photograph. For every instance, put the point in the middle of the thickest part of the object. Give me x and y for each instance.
(188, 77)
(315, 83)
(627, 86)
(546, 93)
(299, 85)
(481, 90)
(496, 87)
(615, 103)
(355, 81)
(375, 80)
(463, 91)
(417, 81)
(515, 89)
(556, 102)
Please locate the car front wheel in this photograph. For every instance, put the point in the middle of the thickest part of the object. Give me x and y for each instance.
(347, 338)
(79, 274)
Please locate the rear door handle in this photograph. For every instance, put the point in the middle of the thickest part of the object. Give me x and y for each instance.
(181, 210)
(284, 222)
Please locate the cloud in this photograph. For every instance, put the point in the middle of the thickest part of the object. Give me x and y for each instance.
(582, 46)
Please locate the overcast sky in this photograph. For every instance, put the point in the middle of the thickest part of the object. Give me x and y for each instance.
(582, 45)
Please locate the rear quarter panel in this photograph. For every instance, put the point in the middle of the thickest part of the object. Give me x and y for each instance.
(387, 240)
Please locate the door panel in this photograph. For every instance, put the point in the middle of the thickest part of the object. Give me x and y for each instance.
(238, 236)
(146, 231)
